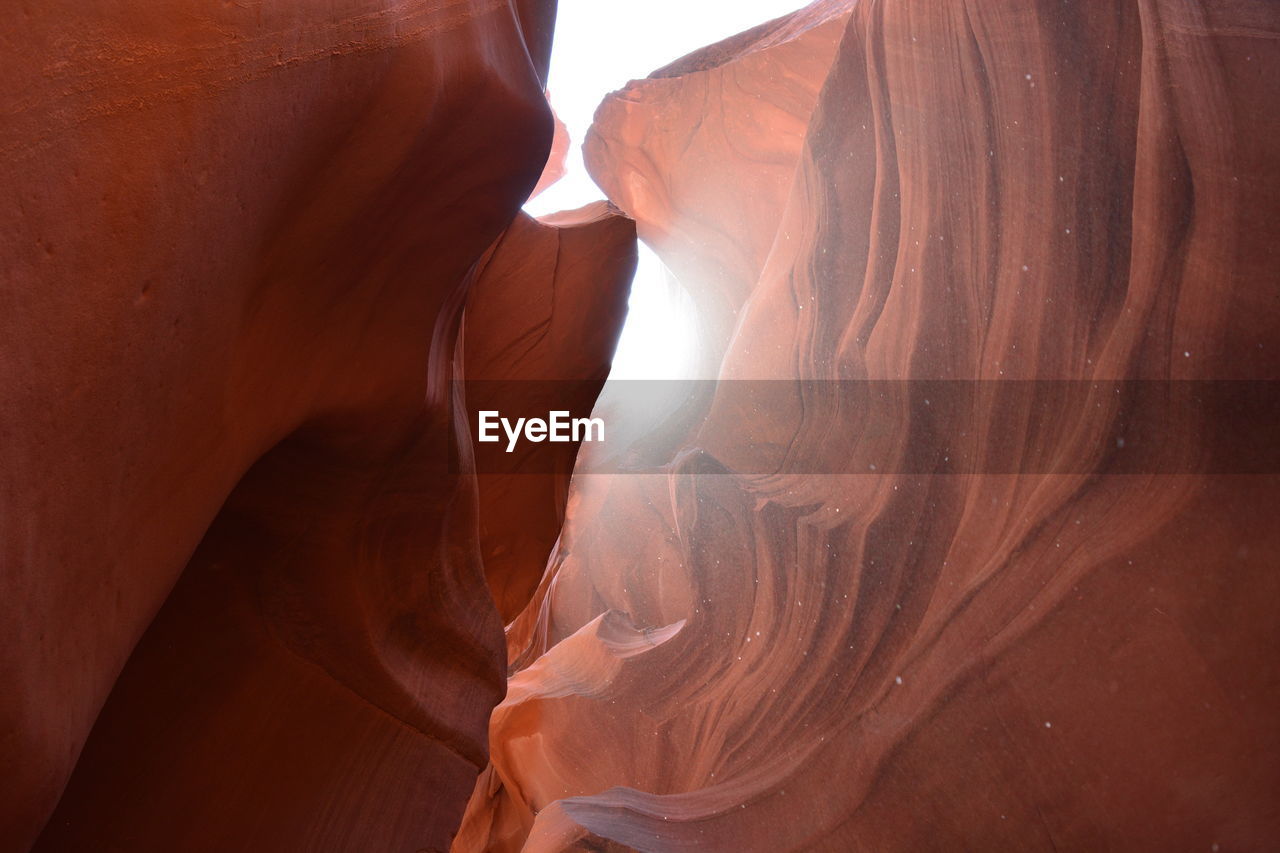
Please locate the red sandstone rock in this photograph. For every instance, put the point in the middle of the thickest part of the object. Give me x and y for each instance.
(903, 661)
(556, 167)
(236, 257)
(542, 320)
(237, 236)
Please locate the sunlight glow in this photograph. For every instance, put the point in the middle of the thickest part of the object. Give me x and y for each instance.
(599, 46)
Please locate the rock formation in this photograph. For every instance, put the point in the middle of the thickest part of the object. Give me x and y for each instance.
(706, 186)
(1053, 657)
(262, 261)
(542, 321)
(237, 241)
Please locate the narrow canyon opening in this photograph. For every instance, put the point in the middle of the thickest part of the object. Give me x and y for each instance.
(660, 338)
(911, 485)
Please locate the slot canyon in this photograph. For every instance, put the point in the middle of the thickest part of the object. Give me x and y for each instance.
(954, 530)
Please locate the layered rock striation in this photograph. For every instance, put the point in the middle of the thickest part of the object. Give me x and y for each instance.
(730, 656)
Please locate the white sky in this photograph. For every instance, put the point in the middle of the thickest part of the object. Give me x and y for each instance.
(599, 46)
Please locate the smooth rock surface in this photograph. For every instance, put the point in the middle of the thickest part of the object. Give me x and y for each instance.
(236, 238)
(542, 320)
(904, 661)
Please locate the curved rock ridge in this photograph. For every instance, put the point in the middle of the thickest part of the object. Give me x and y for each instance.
(889, 661)
(236, 243)
(556, 166)
(546, 307)
(706, 186)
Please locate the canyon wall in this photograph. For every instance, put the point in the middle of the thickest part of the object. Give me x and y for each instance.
(259, 260)
(240, 535)
(1069, 652)
(542, 322)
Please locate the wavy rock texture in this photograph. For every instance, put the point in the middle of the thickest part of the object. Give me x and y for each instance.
(236, 240)
(883, 661)
(547, 305)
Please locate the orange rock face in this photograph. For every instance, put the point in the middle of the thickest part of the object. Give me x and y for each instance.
(237, 241)
(260, 261)
(542, 321)
(725, 659)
